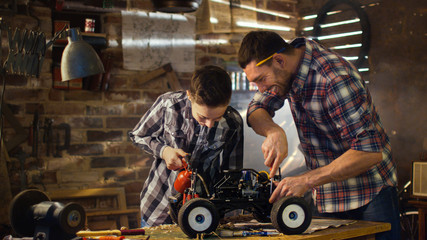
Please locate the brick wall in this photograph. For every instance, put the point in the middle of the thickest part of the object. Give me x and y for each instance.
(100, 153)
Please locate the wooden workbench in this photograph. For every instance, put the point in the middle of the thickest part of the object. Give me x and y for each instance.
(357, 230)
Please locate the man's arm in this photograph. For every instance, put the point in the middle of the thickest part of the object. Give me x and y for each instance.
(275, 146)
(348, 165)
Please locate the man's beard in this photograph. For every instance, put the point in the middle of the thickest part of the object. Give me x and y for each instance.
(284, 81)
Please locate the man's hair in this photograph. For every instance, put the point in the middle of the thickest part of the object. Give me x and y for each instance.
(211, 86)
(258, 45)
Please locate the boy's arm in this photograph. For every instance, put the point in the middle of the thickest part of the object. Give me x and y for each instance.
(148, 130)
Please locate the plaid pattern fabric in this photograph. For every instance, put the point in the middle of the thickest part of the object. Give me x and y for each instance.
(169, 122)
(333, 112)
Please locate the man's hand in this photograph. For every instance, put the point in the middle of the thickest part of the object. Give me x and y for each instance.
(348, 165)
(173, 157)
(290, 186)
(275, 149)
(275, 146)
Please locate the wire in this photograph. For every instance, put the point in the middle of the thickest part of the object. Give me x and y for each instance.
(204, 184)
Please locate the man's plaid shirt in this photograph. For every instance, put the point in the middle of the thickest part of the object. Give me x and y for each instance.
(333, 112)
(169, 122)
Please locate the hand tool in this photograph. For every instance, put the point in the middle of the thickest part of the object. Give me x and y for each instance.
(183, 180)
(271, 183)
(111, 238)
(231, 233)
(111, 232)
(98, 233)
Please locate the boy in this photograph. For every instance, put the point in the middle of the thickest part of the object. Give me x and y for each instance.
(197, 122)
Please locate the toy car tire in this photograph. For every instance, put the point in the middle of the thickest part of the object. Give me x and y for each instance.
(291, 215)
(198, 216)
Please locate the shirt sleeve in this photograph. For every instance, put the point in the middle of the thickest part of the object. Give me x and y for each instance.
(267, 100)
(351, 110)
(147, 133)
(233, 150)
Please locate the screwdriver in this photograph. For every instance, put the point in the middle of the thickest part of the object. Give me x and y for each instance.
(271, 183)
(271, 180)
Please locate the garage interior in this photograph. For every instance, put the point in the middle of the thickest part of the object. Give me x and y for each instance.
(69, 139)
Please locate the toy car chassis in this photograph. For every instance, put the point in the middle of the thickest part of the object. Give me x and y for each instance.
(198, 212)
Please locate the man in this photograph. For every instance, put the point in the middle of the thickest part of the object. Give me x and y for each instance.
(198, 121)
(348, 154)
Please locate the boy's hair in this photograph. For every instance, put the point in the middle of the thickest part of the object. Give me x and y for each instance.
(258, 45)
(211, 86)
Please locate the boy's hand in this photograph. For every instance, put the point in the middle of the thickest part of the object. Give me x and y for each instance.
(173, 157)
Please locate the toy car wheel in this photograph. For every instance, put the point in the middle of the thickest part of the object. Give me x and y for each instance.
(198, 216)
(174, 206)
(291, 215)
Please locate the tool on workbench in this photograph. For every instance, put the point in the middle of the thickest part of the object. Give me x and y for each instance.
(104, 238)
(111, 238)
(139, 231)
(240, 233)
(111, 232)
(9, 237)
(98, 233)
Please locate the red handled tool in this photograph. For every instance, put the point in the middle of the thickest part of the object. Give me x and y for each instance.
(111, 238)
(183, 180)
(111, 232)
(133, 232)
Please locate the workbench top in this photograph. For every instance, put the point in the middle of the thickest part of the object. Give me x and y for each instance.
(358, 229)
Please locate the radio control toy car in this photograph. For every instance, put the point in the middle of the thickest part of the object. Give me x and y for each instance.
(197, 210)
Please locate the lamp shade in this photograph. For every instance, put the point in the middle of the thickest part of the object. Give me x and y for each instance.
(79, 59)
(176, 6)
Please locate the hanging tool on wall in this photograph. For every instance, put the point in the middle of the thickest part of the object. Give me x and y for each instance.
(67, 135)
(26, 52)
(53, 136)
(48, 135)
(34, 135)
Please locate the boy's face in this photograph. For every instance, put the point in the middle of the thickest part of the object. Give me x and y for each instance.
(204, 115)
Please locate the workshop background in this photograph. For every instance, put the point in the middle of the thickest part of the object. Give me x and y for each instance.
(97, 163)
